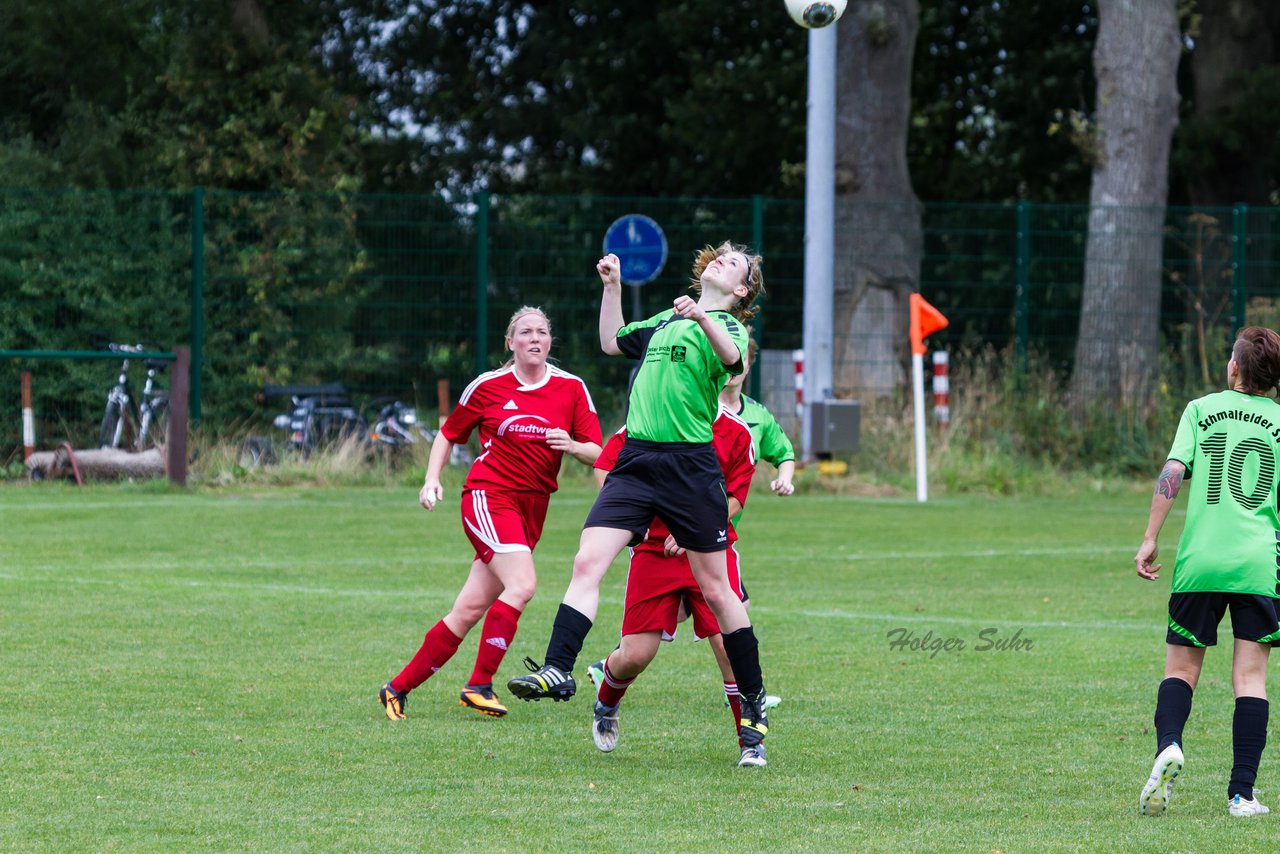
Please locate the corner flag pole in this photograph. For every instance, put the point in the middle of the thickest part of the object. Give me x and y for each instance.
(925, 320)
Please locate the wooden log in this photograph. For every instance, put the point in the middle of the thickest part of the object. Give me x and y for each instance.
(104, 464)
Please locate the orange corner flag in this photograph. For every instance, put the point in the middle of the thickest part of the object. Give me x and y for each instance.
(925, 320)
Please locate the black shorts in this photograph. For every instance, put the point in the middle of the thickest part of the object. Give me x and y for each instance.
(1194, 618)
(680, 483)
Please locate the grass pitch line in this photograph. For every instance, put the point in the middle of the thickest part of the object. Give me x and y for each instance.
(1042, 551)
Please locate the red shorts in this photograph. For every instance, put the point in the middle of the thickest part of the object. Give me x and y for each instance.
(503, 522)
(655, 586)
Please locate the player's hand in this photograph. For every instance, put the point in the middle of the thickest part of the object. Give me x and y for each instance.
(685, 306)
(560, 440)
(1144, 560)
(670, 548)
(609, 268)
(782, 486)
(430, 493)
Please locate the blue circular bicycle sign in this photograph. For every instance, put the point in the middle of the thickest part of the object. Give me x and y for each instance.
(640, 245)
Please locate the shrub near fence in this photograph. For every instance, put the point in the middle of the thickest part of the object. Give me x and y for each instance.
(389, 293)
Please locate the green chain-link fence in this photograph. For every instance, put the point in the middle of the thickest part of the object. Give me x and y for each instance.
(389, 293)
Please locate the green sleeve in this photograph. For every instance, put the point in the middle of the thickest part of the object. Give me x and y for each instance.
(775, 447)
(1184, 441)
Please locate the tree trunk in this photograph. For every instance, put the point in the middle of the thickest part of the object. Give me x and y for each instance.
(1135, 61)
(878, 228)
(1236, 37)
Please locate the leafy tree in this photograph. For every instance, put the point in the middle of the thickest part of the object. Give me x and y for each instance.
(999, 91)
(631, 98)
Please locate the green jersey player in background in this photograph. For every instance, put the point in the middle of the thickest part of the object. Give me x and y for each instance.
(1228, 445)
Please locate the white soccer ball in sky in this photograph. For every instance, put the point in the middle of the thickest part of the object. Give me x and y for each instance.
(815, 16)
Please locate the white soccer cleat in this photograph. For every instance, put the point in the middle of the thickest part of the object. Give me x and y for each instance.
(771, 700)
(1240, 807)
(1159, 787)
(604, 729)
(753, 757)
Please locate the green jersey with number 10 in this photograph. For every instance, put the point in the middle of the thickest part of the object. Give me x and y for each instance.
(1230, 444)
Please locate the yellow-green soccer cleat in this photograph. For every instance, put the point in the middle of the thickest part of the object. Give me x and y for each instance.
(1154, 799)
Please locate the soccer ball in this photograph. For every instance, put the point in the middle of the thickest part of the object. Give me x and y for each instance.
(815, 16)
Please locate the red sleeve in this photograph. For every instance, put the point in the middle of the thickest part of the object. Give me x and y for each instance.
(740, 466)
(609, 456)
(586, 424)
(465, 417)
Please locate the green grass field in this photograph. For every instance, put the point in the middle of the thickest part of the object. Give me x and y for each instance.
(198, 670)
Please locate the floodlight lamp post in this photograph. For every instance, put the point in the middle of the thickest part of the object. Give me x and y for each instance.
(819, 229)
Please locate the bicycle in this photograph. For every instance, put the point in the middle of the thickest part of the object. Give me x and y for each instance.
(124, 411)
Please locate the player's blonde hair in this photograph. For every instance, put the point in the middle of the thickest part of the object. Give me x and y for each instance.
(511, 329)
(743, 308)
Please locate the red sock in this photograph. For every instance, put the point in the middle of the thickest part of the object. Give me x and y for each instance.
(735, 706)
(612, 688)
(498, 632)
(437, 647)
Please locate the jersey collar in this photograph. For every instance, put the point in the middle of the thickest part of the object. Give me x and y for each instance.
(546, 375)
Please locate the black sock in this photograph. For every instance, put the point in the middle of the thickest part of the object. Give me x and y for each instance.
(1173, 707)
(567, 634)
(743, 652)
(1248, 738)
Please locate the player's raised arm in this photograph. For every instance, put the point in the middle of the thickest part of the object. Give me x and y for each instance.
(611, 319)
(721, 342)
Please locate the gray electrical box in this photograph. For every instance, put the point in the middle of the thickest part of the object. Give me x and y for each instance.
(835, 426)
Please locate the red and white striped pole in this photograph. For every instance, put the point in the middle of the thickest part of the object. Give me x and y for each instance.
(28, 419)
(941, 389)
(797, 359)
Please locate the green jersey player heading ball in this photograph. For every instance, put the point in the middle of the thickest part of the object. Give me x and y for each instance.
(1228, 445)
(668, 468)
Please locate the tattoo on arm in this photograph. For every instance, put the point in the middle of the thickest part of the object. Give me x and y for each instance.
(1170, 480)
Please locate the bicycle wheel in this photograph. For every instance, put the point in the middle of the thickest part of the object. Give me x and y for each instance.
(112, 426)
(257, 451)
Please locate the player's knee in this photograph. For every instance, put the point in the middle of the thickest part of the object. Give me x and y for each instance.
(589, 567)
(521, 589)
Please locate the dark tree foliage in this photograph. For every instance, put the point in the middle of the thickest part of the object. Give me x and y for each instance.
(570, 96)
(1002, 90)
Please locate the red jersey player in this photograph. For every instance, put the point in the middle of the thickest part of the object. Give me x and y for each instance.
(660, 579)
(529, 414)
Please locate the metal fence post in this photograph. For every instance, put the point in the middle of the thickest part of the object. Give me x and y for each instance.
(1022, 293)
(197, 300)
(1239, 265)
(757, 243)
(482, 281)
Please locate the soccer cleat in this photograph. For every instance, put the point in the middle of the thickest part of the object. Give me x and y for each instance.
(1240, 807)
(544, 681)
(770, 701)
(392, 702)
(752, 757)
(604, 729)
(754, 723)
(1159, 787)
(596, 672)
(481, 698)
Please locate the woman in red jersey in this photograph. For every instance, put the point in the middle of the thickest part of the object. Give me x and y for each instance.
(529, 415)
